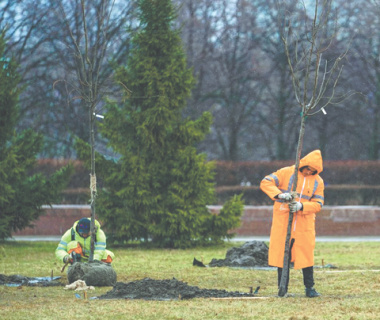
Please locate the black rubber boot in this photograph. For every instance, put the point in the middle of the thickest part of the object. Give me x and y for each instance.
(311, 293)
(308, 277)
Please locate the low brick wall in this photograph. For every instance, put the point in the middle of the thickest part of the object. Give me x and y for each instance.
(56, 220)
(256, 220)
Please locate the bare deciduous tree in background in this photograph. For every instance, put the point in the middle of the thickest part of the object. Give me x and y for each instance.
(223, 53)
(366, 72)
(36, 38)
(278, 100)
(314, 79)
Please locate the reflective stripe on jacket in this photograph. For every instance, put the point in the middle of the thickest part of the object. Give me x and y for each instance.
(310, 192)
(100, 244)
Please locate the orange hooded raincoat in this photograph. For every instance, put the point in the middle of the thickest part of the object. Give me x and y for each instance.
(310, 192)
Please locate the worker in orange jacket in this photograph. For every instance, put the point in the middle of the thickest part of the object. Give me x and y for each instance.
(308, 202)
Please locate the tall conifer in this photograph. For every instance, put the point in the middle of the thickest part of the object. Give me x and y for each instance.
(21, 194)
(160, 186)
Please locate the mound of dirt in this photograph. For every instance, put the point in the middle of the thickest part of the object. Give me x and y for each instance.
(250, 254)
(150, 289)
(19, 280)
(95, 273)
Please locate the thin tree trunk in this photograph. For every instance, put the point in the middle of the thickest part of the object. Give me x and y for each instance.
(92, 182)
(285, 270)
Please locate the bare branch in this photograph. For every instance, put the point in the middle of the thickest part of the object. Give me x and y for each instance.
(310, 84)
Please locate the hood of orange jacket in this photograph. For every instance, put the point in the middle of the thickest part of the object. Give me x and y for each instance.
(314, 160)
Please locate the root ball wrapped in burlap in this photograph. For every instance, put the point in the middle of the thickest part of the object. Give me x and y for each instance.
(94, 273)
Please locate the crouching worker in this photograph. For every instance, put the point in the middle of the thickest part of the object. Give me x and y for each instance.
(75, 244)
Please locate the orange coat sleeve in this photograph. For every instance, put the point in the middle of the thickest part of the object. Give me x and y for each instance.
(271, 183)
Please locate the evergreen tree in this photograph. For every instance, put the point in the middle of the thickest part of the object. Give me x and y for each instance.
(160, 186)
(21, 194)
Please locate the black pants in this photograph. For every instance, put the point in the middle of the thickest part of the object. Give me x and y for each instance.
(308, 277)
(308, 273)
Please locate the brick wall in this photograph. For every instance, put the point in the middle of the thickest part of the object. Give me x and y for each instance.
(56, 220)
(256, 220)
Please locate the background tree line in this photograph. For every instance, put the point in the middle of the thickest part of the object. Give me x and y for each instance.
(159, 187)
(239, 63)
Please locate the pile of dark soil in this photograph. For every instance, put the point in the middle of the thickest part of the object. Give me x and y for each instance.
(19, 280)
(251, 254)
(150, 289)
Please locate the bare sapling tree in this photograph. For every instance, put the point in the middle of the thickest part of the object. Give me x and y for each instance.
(306, 40)
(88, 48)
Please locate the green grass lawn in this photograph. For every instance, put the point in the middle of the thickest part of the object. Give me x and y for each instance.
(350, 292)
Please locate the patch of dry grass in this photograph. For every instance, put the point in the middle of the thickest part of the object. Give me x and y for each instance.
(347, 292)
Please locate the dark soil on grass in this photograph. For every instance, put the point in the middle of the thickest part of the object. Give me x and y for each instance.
(19, 280)
(150, 289)
(252, 254)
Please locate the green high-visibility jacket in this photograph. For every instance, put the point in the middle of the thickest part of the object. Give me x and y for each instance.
(71, 235)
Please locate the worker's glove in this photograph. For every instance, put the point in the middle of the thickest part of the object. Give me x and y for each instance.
(67, 259)
(295, 206)
(285, 196)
